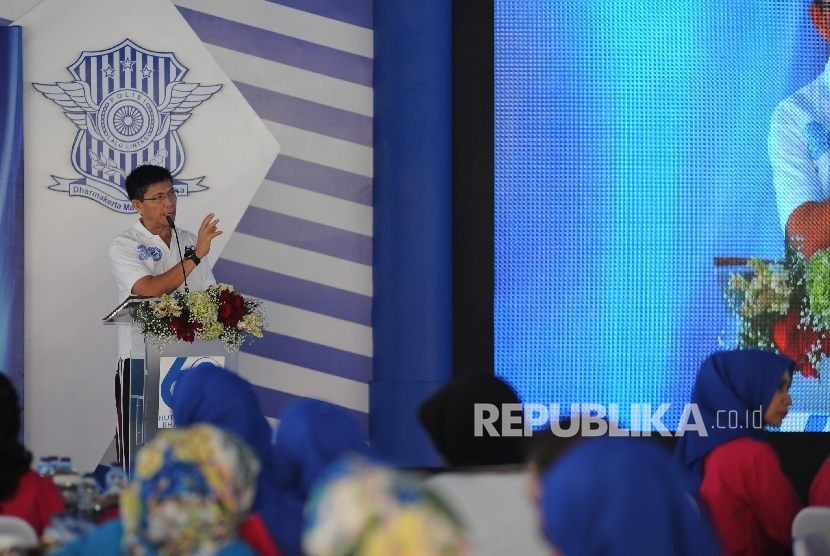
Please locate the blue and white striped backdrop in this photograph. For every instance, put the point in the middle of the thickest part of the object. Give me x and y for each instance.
(304, 244)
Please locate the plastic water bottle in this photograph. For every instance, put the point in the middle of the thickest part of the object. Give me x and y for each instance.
(45, 467)
(52, 461)
(89, 498)
(67, 481)
(65, 466)
(115, 479)
(115, 482)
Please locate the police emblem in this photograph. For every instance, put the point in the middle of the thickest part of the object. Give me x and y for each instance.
(128, 103)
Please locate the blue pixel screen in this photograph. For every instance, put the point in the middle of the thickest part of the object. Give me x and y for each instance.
(632, 151)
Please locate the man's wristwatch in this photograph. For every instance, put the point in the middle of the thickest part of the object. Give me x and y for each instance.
(191, 254)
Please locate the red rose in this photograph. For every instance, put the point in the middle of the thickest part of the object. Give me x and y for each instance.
(190, 331)
(796, 341)
(184, 328)
(225, 311)
(231, 308)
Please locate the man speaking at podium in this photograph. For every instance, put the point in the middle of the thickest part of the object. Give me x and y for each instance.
(147, 260)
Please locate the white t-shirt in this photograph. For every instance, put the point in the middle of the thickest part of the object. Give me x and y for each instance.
(137, 253)
(498, 517)
(799, 147)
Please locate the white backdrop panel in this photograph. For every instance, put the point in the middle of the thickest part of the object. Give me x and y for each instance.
(70, 357)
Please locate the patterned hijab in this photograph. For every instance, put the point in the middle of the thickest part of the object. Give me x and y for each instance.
(209, 394)
(191, 489)
(364, 509)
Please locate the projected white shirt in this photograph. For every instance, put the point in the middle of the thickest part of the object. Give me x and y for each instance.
(137, 253)
(799, 147)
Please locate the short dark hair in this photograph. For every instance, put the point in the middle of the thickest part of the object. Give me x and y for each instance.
(143, 177)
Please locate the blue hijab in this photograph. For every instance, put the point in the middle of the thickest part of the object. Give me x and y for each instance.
(311, 436)
(743, 381)
(209, 394)
(615, 496)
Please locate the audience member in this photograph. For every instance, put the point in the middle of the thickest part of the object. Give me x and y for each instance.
(820, 487)
(449, 418)
(209, 394)
(499, 519)
(23, 493)
(736, 474)
(192, 488)
(364, 509)
(614, 496)
(312, 435)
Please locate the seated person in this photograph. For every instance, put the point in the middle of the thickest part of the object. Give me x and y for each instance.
(615, 496)
(820, 487)
(733, 470)
(23, 493)
(192, 489)
(209, 394)
(312, 434)
(448, 417)
(360, 508)
(493, 506)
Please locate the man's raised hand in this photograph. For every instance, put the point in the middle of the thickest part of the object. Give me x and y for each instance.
(207, 231)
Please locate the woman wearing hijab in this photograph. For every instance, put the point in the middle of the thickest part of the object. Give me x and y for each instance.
(23, 493)
(361, 508)
(312, 436)
(616, 496)
(820, 487)
(191, 490)
(732, 469)
(209, 394)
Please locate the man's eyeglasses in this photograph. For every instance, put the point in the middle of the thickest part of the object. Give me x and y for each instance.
(162, 196)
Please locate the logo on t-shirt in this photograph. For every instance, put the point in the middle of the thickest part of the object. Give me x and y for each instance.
(145, 252)
(818, 139)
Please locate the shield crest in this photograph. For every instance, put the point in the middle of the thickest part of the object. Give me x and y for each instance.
(128, 103)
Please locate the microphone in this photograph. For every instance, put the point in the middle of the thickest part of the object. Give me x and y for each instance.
(181, 258)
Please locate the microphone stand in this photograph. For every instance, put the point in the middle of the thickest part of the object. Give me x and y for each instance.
(181, 258)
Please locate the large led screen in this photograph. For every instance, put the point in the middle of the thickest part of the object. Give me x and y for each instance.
(648, 154)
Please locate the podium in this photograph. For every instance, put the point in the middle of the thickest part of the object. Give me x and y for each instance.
(143, 390)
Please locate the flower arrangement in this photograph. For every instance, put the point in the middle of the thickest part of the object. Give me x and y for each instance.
(217, 313)
(784, 306)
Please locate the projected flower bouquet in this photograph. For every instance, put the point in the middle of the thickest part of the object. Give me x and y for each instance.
(217, 313)
(784, 306)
